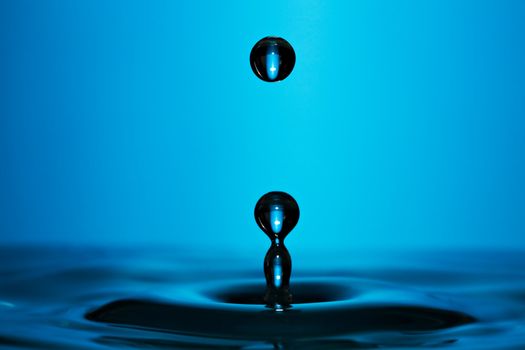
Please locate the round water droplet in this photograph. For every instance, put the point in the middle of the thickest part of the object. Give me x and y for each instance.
(272, 59)
(276, 213)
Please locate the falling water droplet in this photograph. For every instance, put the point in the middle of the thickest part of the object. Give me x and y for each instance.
(272, 59)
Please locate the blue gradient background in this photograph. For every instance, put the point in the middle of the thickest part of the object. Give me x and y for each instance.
(138, 122)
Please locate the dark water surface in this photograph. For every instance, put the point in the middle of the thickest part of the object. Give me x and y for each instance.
(87, 298)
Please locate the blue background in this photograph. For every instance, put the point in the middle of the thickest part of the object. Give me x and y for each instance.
(141, 122)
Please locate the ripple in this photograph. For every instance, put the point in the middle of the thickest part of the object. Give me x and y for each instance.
(321, 309)
(146, 300)
(304, 293)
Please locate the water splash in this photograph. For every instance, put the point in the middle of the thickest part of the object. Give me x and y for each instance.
(277, 213)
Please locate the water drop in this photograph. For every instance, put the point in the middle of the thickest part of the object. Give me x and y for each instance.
(272, 59)
(277, 213)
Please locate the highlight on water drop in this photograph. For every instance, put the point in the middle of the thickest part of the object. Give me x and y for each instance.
(272, 59)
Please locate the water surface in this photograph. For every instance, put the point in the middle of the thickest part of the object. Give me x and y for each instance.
(100, 298)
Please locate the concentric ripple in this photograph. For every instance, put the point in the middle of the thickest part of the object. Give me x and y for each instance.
(236, 310)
